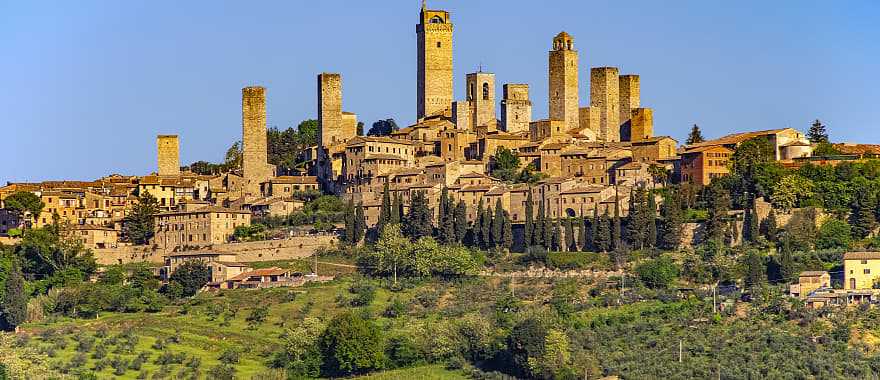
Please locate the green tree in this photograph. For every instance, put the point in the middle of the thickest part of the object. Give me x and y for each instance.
(769, 226)
(232, 159)
(825, 149)
(350, 225)
(750, 220)
(51, 250)
(477, 229)
(486, 227)
(582, 242)
(658, 273)
(498, 225)
(13, 304)
(526, 344)
(787, 265)
(385, 211)
(719, 204)
(604, 240)
(673, 220)
(862, 214)
(398, 215)
(139, 221)
(391, 248)
(557, 236)
(616, 230)
(419, 219)
(637, 224)
(817, 133)
(834, 233)
(351, 345)
(191, 276)
(383, 128)
(594, 229)
(505, 164)
(446, 227)
(651, 223)
(507, 232)
(569, 236)
(790, 191)
(461, 223)
(755, 269)
(538, 233)
(695, 136)
(360, 223)
(529, 228)
(24, 203)
(300, 355)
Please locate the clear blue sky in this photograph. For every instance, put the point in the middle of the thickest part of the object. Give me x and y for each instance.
(85, 86)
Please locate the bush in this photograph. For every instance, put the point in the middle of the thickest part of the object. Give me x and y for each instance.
(230, 356)
(834, 233)
(364, 292)
(657, 273)
(258, 316)
(396, 308)
(222, 372)
(191, 276)
(402, 351)
(351, 345)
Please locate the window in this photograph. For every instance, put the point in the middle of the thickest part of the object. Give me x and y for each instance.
(439, 44)
(864, 261)
(485, 91)
(867, 271)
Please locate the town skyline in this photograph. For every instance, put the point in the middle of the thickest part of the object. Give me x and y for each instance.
(166, 107)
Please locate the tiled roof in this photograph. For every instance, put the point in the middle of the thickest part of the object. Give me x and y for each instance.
(273, 271)
(861, 256)
(737, 138)
(813, 273)
(295, 179)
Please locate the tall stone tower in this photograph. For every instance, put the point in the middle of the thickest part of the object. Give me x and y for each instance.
(563, 63)
(434, 73)
(516, 108)
(329, 109)
(481, 95)
(642, 124)
(255, 165)
(169, 155)
(629, 100)
(604, 99)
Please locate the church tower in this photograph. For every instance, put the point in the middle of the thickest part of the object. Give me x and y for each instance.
(434, 88)
(563, 66)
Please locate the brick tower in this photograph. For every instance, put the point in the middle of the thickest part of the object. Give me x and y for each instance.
(604, 99)
(563, 63)
(329, 109)
(255, 165)
(169, 155)
(629, 100)
(481, 95)
(516, 108)
(434, 73)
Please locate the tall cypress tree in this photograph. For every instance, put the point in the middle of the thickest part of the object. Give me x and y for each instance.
(350, 224)
(557, 236)
(507, 232)
(397, 210)
(569, 236)
(862, 216)
(637, 218)
(673, 220)
(603, 233)
(476, 231)
(583, 244)
(594, 230)
(441, 214)
(13, 309)
(461, 223)
(538, 234)
(486, 227)
(530, 222)
(769, 227)
(498, 225)
(548, 232)
(651, 221)
(385, 215)
(750, 220)
(360, 225)
(418, 220)
(616, 231)
(716, 226)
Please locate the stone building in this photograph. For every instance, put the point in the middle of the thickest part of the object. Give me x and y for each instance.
(604, 99)
(168, 153)
(481, 96)
(434, 62)
(641, 124)
(334, 125)
(628, 87)
(516, 108)
(563, 77)
(700, 164)
(255, 163)
(197, 228)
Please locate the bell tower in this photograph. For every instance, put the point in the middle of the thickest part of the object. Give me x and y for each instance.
(434, 72)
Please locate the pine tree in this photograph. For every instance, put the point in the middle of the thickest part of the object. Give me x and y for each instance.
(769, 227)
(13, 309)
(529, 229)
(538, 234)
(862, 215)
(817, 133)
(139, 224)
(498, 225)
(583, 244)
(461, 223)
(603, 233)
(673, 219)
(651, 221)
(569, 236)
(696, 136)
(507, 232)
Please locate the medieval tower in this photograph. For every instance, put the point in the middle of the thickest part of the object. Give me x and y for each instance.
(628, 85)
(481, 95)
(434, 82)
(255, 165)
(516, 108)
(563, 63)
(604, 99)
(169, 155)
(642, 124)
(329, 109)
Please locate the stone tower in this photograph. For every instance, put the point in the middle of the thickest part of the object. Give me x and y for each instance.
(481, 95)
(434, 72)
(563, 63)
(516, 108)
(642, 124)
(604, 99)
(255, 166)
(169, 155)
(629, 100)
(329, 109)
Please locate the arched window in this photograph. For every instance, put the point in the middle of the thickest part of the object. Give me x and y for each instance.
(436, 20)
(485, 91)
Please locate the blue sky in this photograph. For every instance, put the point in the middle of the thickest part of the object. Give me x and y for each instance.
(86, 86)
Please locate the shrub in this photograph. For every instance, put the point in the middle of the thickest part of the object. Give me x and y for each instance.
(834, 233)
(191, 276)
(77, 360)
(258, 316)
(526, 341)
(222, 372)
(100, 351)
(351, 345)
(396, 308)
(230, 356)
(402, 351)
(119, 364)
(657, 273)
(364, 292)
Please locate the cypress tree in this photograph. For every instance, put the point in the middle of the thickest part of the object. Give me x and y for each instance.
(385, 214)
(769, 227)
(530, 222)
(569, 236)
(441, 215)
(594, 230)
(538, 234)
(498, 225)
(360, 225)
(615, 227)
(751, 220)
(350, 224)
(397, 214)
(507, 232)
(863, 218)
(548, 232)
(636, 226)
(418, 221)
(673, 219)
(787, 266)
(13, 308)
(476, 231)
(583, 244)
(651, 221)
(461, 223)
(557, 236)
(719, 204)
(603, 233)
(486, 227)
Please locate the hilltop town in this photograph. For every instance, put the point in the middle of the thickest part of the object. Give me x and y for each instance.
(594, 207)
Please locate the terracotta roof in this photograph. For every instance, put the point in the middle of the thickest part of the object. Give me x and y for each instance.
(206, 209)
(295, 179)
(737, 138)
(813, 273)
(273, 271)
(497, 190)
(88, 227)
(653, 140)
(476, 188)
(705, 148)
(554, 146)
(583, 189)
(861, 256)
(850, 148)
(384, 156)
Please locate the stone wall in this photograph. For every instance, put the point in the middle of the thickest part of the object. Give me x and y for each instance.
(296, 247)
(168, 147)
(516, 108)
(604, 98)
(628, 86)
(482, 107)
(641, 124)
(434, 63)
(329, 108)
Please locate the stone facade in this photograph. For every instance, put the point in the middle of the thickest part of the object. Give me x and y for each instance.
(628, 85)
(255, 164)
(481, 95)
(641, 124)
(198, 228)
(434, 60)
(589, 120)
(168, 154)
(604, 92)
(461, 114)
(329, 109)
(516, 108)
(563, 76)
